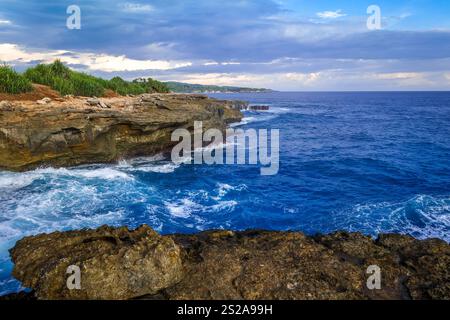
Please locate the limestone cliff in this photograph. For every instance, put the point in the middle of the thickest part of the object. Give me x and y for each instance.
(72, 131)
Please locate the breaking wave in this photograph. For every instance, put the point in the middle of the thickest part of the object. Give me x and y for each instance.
(423, 217)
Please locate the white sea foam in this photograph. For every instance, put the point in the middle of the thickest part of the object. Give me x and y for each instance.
(423, 216)
(14, 181)
(182, 208)
(102, 173)
(223, 188)
(23, 179)
(258, 116)
(223, 206)
(189, 206)
(158, 168)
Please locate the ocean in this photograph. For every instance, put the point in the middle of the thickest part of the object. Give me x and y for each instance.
(367, 162)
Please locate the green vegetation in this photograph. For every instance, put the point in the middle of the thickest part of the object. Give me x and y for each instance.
(13, 82)
(198, 88)
(152, 85)
(66, 81)
(123, 87)
(60, 78)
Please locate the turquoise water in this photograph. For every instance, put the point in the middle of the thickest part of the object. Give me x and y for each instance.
(369, 162)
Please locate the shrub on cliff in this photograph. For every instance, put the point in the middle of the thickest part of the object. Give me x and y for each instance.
(123, 87)
(66, 81)
(152, 85)
(13, 82)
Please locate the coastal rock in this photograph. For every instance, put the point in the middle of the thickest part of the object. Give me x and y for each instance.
(43, 101)
(234, 265)
(258, 108)
(239, 105)
(114, 263)
(6, 106)
(78, 131)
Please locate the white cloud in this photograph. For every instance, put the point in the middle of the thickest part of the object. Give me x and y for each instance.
(212, 63)
(221, 79)
(326, 80)
(13, 53)
(405, 15)
(398, 75)
(136, 7)
(330, 14)
(5, 22)
(273, 80)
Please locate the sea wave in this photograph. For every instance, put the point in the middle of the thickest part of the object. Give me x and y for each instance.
(17, 180)
(422, 216)
(259, 116)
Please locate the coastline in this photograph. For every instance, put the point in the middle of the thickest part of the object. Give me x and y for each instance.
(74, 130)
(118, 263)
(254, 264)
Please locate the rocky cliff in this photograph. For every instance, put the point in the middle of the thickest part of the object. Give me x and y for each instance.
(71, 131)
(123, 264)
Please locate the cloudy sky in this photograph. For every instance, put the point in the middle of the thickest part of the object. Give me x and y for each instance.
(280, 44)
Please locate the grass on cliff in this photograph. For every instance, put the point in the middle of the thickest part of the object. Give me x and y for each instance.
(13, 82)
(66, 81)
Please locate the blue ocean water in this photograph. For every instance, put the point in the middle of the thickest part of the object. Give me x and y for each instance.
(369, 162)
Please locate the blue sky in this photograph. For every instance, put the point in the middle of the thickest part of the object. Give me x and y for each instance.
(281, 44)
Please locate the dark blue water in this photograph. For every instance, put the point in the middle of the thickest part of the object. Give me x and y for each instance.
(369, 162)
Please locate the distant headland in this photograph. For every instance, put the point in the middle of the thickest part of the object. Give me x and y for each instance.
(181, 87)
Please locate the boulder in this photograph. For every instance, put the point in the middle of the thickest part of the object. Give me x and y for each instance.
(113, 263)
(6, 106)
(44, 101)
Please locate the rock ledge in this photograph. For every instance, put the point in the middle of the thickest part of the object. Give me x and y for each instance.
(117, 263)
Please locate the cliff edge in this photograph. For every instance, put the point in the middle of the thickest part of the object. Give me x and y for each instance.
(73, 130)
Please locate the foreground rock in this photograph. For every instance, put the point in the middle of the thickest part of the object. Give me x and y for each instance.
(114, 263)
(71, 131)
(122, 264)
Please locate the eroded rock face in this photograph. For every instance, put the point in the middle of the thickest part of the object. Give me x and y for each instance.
(122, 264)
(114, 263)
(73, 131)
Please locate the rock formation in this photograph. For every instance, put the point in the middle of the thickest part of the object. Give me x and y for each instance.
(123, 264)
(114, 263)
(71, 131)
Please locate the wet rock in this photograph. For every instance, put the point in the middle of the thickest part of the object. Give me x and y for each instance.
(258, 108)
(239, 105)
(234, 265)
(114, 263)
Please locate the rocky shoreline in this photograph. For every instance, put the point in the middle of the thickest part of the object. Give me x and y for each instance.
(118, 263)
(71, 131)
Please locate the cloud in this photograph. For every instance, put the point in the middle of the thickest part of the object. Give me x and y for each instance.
(136, 7)
(279, 46)
(330, 14)
(5, 22)
(99, 62)
(398, 75)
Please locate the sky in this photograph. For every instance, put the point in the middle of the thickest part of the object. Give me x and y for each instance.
(290, 45)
